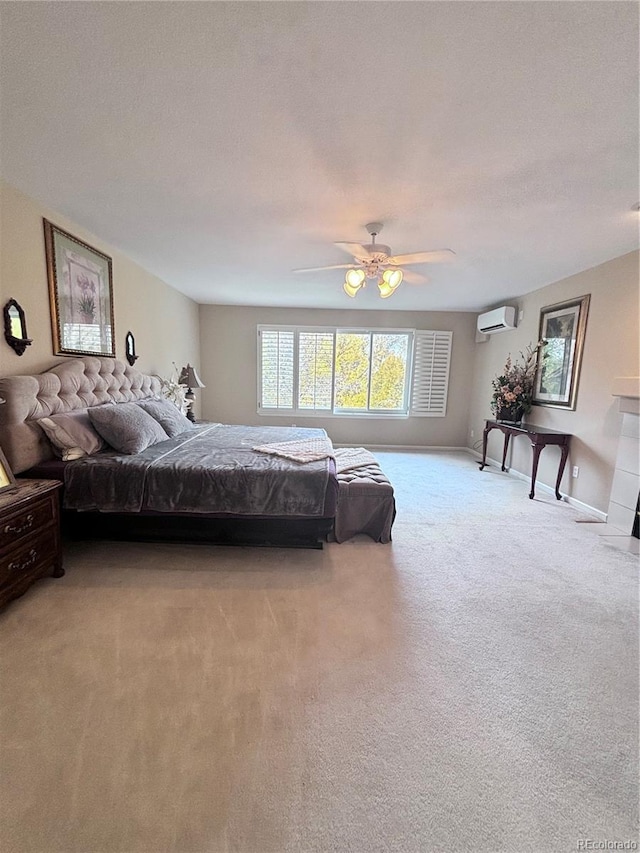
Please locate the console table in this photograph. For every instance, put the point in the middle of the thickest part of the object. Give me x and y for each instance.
(539, 438)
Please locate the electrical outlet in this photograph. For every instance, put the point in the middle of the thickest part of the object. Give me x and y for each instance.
(472, 433)
(575, 471)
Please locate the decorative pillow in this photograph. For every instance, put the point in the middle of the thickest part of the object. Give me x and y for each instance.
(126, 427)
(72, 435)
(168, 416)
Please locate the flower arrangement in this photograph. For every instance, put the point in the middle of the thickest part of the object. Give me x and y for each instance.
(87, 301)
(513, 389)
(174, 391)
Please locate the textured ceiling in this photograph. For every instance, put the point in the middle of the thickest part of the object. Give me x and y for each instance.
(222, 145)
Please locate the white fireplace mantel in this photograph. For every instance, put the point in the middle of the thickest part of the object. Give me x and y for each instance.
(627, 389)
(626, 478)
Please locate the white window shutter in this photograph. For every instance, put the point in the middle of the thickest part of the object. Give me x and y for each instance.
(430, 383)
(277, 369)
(315, 371)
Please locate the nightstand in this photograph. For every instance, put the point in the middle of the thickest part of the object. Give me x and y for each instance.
(30, 544)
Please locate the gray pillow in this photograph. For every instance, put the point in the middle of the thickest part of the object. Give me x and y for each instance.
(168, 416)
(72, 434)
(126, 427)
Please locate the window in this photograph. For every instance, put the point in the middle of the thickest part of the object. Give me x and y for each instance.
(370, 372)
(304, 370)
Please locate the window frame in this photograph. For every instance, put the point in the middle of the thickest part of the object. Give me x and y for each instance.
(409, 387)
(276, 410)
(371, 412)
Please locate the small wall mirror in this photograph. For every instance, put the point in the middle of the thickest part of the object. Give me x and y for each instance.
(15, 327)
(130, 348)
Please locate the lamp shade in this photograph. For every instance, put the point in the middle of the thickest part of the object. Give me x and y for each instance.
(190, 378)
(391, 279)
(350, 290)
(353, 281)
(355, 278)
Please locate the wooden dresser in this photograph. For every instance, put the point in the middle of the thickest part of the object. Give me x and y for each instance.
(30, 545)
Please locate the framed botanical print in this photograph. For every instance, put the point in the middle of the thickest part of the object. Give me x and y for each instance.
(81, 294)
(7, 480)
(562, 328)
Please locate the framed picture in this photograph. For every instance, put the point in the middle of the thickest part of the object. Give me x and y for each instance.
(7, 480)
(562, 328)
(81, 294)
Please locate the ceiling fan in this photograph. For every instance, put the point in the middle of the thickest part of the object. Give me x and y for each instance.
(374, 260)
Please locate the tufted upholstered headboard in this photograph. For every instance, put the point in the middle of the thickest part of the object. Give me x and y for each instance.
(75, 384)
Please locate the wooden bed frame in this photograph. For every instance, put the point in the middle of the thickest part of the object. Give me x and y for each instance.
(212, 530)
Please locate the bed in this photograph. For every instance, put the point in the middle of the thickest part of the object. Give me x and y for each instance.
(204, 484)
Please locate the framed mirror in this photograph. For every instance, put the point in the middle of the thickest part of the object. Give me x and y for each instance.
(130, 348)
(15, 327)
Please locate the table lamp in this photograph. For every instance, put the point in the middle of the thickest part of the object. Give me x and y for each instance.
(190, 378)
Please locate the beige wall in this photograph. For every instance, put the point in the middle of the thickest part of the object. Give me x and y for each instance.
(229, 370)
(169, 327)
(611, 350)
(163, 321)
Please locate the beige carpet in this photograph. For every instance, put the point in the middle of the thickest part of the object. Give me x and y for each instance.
(471, 687)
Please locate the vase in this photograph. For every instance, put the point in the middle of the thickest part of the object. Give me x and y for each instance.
(511, 414)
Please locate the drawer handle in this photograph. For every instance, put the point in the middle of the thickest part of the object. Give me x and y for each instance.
(19, 528)
(30, 560)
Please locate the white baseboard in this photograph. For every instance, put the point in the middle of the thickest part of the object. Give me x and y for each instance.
(590, 510)
(405, 448)
(413, 448)
(543, 487)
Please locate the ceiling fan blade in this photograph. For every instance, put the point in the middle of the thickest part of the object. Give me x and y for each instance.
(333, 267)
(355, 249)
(414, 277)
(437, 256)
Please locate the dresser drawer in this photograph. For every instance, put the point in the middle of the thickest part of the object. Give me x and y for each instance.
(29, 558)
(27, 521)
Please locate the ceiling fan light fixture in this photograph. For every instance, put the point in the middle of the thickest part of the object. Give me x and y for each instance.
(391, 280)
(392, 277)
(355, 278)
(353, 281)
(350, 290)
(375, 261)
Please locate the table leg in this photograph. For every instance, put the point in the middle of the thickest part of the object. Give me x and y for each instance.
(563, 462)
(484, 447)
(534, 468)
(507, 438)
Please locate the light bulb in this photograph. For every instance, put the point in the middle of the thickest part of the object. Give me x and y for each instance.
(392, 278)
(355, 278)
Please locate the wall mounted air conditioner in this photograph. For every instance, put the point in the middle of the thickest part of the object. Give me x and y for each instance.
(498, 320)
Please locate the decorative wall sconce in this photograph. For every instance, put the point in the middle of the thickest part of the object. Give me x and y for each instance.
(15, 327)
(130, 348)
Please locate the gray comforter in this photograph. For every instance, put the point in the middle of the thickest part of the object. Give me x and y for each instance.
(211, 469)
